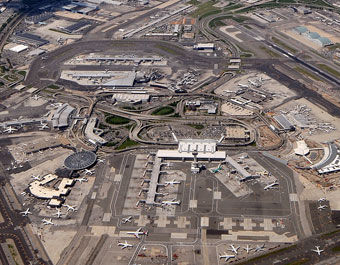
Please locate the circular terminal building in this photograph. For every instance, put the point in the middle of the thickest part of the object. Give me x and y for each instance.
(80, 160)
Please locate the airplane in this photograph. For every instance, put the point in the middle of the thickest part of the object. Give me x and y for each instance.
(321, 207)
(58, 213)
(247, 249)
(27, 212)
(125, 220)
(271, 186)
(254, 83)
(138, 233)
(226, 256)
(101, 160)
(47, 222)
(172, 182)
(259, 248)
(143, 248)
(172, 202)
(69, 207)
(216, 170)
(10, 129)
(234, 249)
(317, 250)
(124, 245)
(36, 177)
(89, 172)
(243, 86)
(36, 97)
(322, 199)
(43, 126)
(81, 180)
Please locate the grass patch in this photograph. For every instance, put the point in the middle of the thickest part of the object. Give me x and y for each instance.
(205, 8)
(166, 49)
(163, 111)
(11, 78)
(174, 104)
(246, 55)
(53, 86)
(307, 73)
(194, 2)
(113, 119)
(336, 249)
(330, 233)
(3, 69)
(284, 45)
(127, 143)
(270, 52)
(298, 262)
(240, 19)
(196, 126)
(329, 69)
(110, 144)
(23, 73)
(232, 7)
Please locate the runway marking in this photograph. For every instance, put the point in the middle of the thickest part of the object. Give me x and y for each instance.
(227, 223)
(182, 222)
(162, 221)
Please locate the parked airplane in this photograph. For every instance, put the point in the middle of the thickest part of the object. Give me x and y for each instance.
(172, 202)
(27, 212)
(10, 129)
(36, 177)
(124, 245)
(216, 170)
(69, 207)
(226, 256)
(125, 220)
(321, 207)
(247, 249)
(322, 199)
(43, 126)
(254, 83)
(36, 97)
(318, 250)
(81, 180)
(234, 249)
(138, 233)
(271, 186)
(172, 182)
(259, 248)
(58, 213)
(243, 86)
(47, 222)
(89, 172)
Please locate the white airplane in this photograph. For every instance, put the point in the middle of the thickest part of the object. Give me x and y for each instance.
(36, 177)
(36, 97)
(317, 250)
(138, 233)
(271, 186)
(172, 182)
(125, 220)
(254, 83)
(247, 249)
(100, 160)
(69, 207)
(10, 129)
(322, 199)
(172, 202)
(259, 248)
(234, 249)
(243, 86)
(89, 172)
(226, 256)
(58, 213)
(81, 180)
(124, 245)
(43, 126)
(321, 207)
(47, 222)
(27, 212)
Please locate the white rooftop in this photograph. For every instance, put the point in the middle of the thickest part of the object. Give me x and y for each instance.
(302, 148)
(197, 145)
(19, 48)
